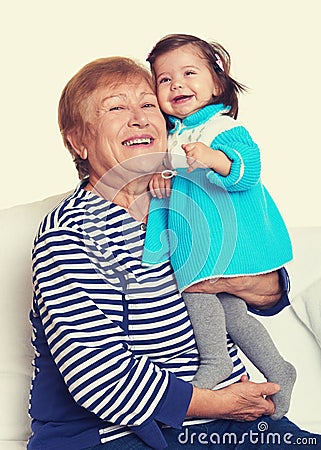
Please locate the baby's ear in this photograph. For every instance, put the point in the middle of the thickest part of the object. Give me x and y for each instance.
(216, 91)
(77, 144)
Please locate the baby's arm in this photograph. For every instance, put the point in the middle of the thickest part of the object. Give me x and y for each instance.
(199, 155)
(238, 145)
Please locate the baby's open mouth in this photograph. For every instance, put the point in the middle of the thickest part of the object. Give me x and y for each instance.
(181, 98)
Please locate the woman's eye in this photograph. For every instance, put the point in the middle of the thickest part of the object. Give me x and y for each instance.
(148, 105)
(115, 108)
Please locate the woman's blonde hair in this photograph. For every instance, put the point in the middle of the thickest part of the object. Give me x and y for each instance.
(77, 93)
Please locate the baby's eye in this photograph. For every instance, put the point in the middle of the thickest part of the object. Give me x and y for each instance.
(190, 72)
(164, 80)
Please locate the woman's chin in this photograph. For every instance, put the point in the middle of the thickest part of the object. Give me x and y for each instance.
(145, 163)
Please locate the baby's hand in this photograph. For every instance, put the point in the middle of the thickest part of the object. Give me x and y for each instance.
(198, 155)
(160, 187)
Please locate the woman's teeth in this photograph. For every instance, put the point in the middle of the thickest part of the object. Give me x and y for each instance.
(137, 141)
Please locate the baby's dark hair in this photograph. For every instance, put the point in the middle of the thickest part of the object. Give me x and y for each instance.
(219, 62)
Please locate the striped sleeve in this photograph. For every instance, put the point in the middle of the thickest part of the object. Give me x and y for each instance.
(244, 153)
(90, 346)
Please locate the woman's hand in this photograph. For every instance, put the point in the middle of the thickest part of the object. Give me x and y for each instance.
(243, 401)
(160, 187)
(260, 291)
(199, 155)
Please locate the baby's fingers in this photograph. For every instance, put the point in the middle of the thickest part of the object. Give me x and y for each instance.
(168, 186)
(154, 187)
(159, 187)
(188, 147)
(191, 164)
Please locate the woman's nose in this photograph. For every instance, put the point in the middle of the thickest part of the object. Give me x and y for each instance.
(138, 118)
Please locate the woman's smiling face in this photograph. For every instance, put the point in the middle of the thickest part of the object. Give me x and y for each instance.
(127, 129)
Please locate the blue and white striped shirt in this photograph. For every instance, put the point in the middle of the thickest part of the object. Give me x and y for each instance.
(114, 347)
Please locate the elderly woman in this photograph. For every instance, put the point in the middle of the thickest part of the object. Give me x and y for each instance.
(114, 347)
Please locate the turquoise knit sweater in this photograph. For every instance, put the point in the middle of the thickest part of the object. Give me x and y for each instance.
(213, 226)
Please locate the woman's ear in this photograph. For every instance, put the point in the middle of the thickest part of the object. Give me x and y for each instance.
(77, 144)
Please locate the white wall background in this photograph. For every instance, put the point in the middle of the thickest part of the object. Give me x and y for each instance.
(274, 47)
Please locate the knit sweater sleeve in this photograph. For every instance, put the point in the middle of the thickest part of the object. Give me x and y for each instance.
(244, 153)
(91, 349)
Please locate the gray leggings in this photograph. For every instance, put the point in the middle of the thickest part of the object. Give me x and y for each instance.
(211, 316)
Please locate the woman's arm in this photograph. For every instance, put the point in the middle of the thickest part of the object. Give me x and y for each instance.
(243, 401)
(80, 304)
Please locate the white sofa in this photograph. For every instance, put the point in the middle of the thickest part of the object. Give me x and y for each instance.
(296, 330)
